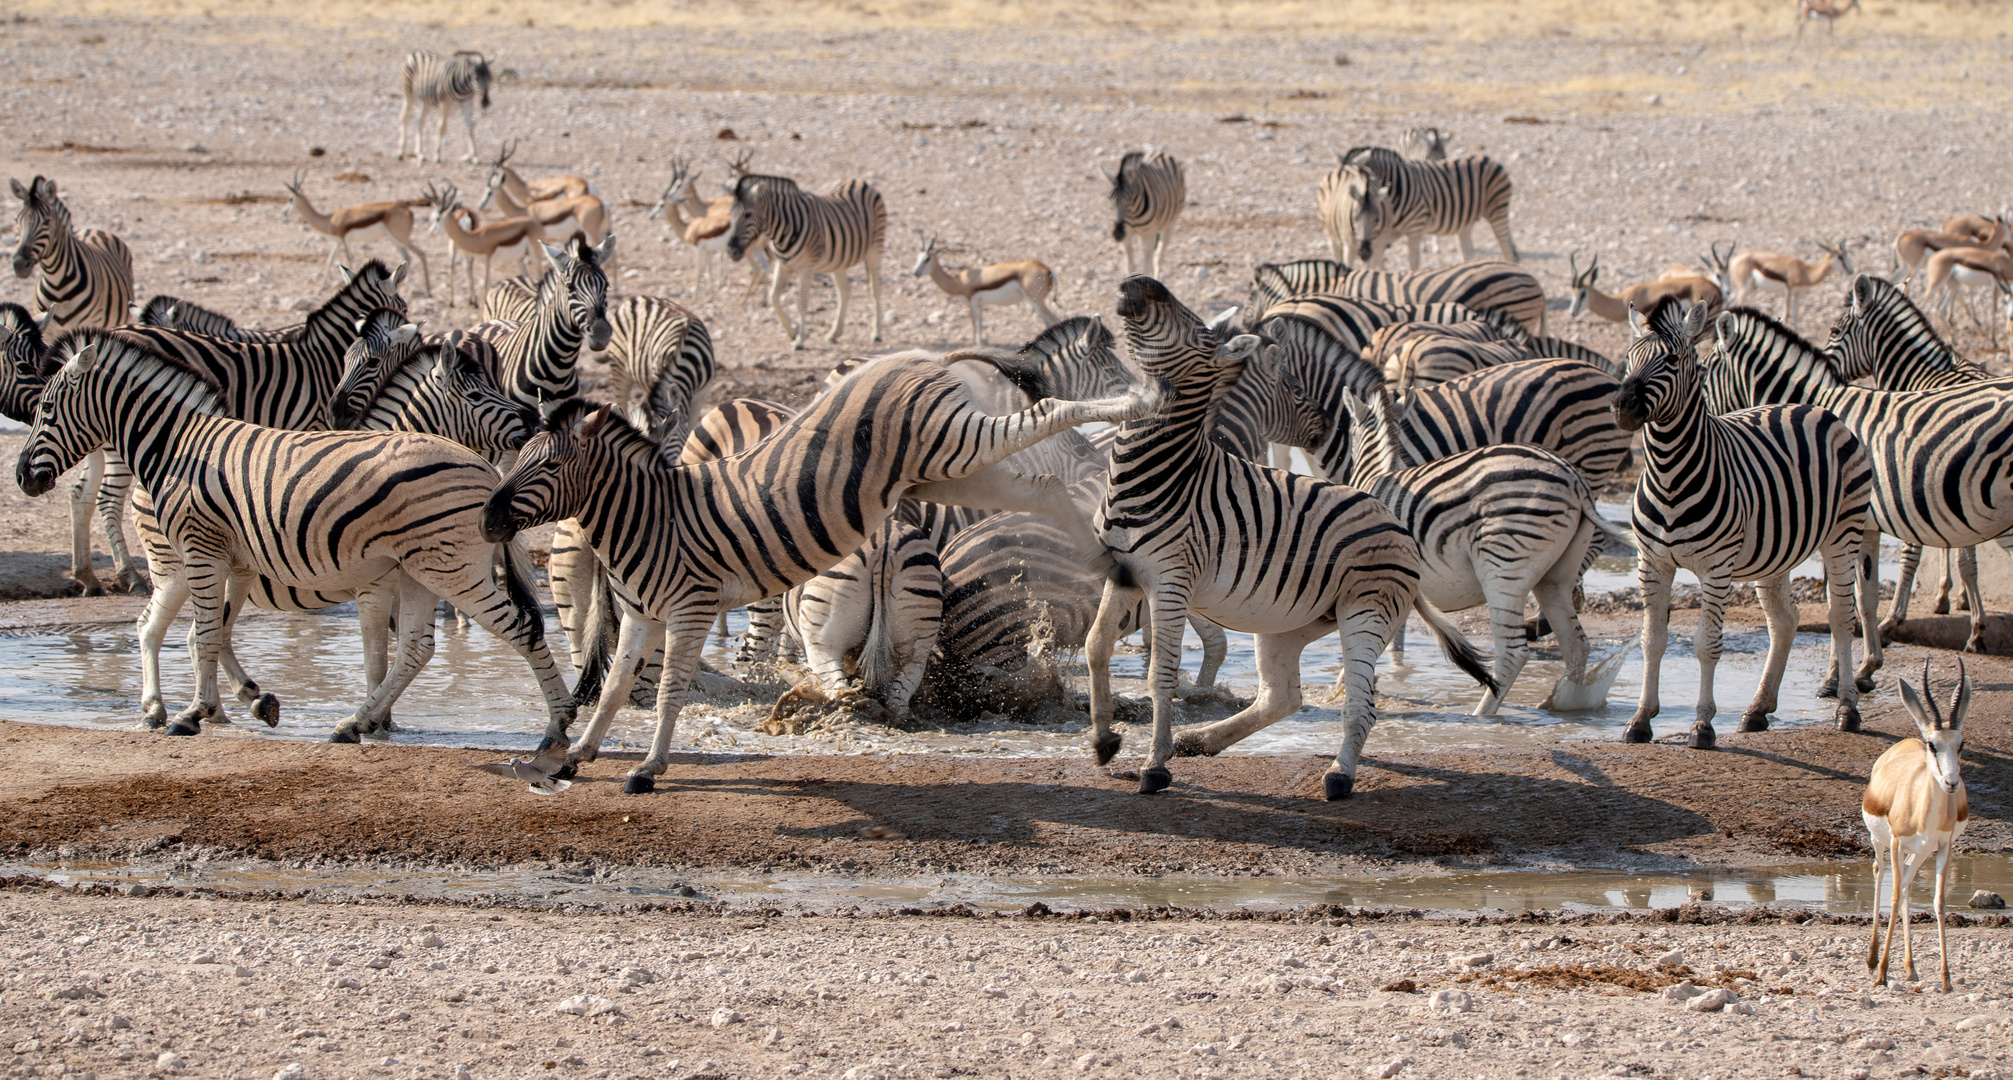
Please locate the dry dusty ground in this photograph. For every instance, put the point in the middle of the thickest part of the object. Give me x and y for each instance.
(1641, 133)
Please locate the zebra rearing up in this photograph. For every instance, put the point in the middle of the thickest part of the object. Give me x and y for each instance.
(1285, 557)
(683, 543)
(1741, 497)
(433, 81)
(390, 517)
(1376, 195)
(1148, 195)
(811, 234)
(81, 279)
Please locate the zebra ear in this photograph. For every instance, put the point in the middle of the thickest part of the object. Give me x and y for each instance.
(593, 424)
(1222, 320)
(44, 321)
(360, 323)
(398, 275)
(556, 256)
(1638, 325)
(20, 192)
(605, 250)
(82, 360)
(1695, 322)
(43, 188)
(405, 333)
(1237, 349)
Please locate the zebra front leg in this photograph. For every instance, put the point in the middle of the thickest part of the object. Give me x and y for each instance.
(468, 121)
(1167, 619)
(1841, 575)
(1161, 240)
(1215, 646)
(83, 496)
(1942, 606)
(1364, 635)
(404, 112)
(265, 706)
(1655, 578)
(1866, 588)
(1904, 588)
(1500, 225)
(1974, 598)
(374, 618)
(207, 578)
(415, 605)
(1713, 592)
(113, 495)
(635, 643)
(171, 591)
(1279, 695)
(873, 265)
(1780, 611)
(440, 138)
(1117, 602)
(1467, 238)
(842, 283)
(685, 639)
(776, 303)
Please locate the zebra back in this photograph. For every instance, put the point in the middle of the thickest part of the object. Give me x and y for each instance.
(823, 234)
(1075, 360)
(81, 279)
(1416, 354)
(732, 427)
(432, 79)
(1560, 348)
(1423, 144)
(177, 314)
(515, 299)
(1275, 283)
(1488, 285)
(1437, 198)
(661, 355)
(434, 388)
(1018, 588)
(1147, 194)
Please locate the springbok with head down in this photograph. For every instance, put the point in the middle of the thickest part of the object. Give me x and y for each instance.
(1915, 808)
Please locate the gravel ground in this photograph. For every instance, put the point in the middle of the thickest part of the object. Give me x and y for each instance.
(176, 987)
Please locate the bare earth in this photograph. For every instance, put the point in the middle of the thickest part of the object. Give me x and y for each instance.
(1640, 137)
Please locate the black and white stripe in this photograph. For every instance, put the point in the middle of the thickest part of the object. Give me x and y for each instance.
(538, 360)
(1376, 195)
(178, 314)
(432, 81)
(1484, 285)
(431, 387)
(1744, 496)
(869, 623)
(1423, 144)
(393, 518)
(1147, 197)
(811, 234)
(1196, 529)
(684, 543)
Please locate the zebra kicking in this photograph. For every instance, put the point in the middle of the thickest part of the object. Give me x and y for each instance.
(392, 518)
(1744, 496)
(811, 234)
(1376, 195)
(433, 81)
(1194, 529)
(1932, 485)
(684, 543)
(81, 279)
(1147, 195)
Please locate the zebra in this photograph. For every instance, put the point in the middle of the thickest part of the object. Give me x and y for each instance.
(1485, 285)
(873, 618)
(538, 359)
(22, 356)
(811, 234)
(1375, 195)
(81, 279)
(1423, 144)
(431, 387)
(1935, 483)
(684, 543)
(177, 314)
(1883, 335)
(1195, 529)
(1147, 196)
(1419, 354)
(433, 81)
(1742, 496)
(392, 517)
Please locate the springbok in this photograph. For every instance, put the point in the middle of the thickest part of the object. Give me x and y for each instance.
(1914, 246)
(511, 236)
(702, 223)
(504, 178)
(1915, 808)
(1763, 270)
(1642, 296)
(1955, 269)
(996, 284)
(387, 221)
(563, 218)
(1829, 10)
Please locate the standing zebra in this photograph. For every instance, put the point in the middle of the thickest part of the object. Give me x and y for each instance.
(811, 234)
(1195, 529)
(22, 353)
(1148, 195)
(1935, 481)
(1745, 496)
(433, 81)
(538, 359)
(684, 543)
(393, 518)
(1376, 195)
(81, 279)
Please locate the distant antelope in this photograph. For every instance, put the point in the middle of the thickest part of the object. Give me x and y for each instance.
(387, 221)
(1956, 269)
(1914, 246)
(1915, 808)
(504, 178)
(434, 81)
(1765, 270)
(513, 236)
(1828, 10)
(563, 218)
(702, 223)
(996, 284)
(1642, 296)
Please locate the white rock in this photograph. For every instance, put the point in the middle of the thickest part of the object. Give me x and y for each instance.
(290, 1071)
(587, 1005)
(346, 982)
(205, 958)
(1671, 959)
(242, 972)
(1792, 957)
(1450, 1000)
(1874, 1042)
(1712, 1000)
(431, 941)
(993, 991)
(453, 993)
(637, 976)
(1086, 1062)
(72, 992)
(723, 1016)
(1973, 1023)
(169, 1061)
(1475, 960)
(1389, 1069)
(461, 1072)
(1683, 991)
(1203, 1049)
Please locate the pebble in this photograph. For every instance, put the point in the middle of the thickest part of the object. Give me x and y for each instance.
(1985, 899)
(1792, 957)
(1086, 1062)
(1672, 958)
(587, 1005)
(1712, 1000)
(242, 972)
(205, 958)
(431, 941)
(1389, 1069)
(453, 993)
(169, 1061)
(636, 976)
(346, 982)
(1450, 1000)
(1203, 1049)
(1475, 960)
(1683, 991)
(723, 1016)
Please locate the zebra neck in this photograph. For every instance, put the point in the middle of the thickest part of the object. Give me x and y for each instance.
(627, 506)
(152, 408)
(1151, 456)
(317, 353)
(1682, 450)
(783, 224)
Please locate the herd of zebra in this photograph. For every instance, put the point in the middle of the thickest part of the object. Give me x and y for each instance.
(937, 520)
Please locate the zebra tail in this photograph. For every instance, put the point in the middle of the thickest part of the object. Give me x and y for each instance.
(1457, 647)
(521, 583)
(877, 653)
(1625, 537)
(596, 656)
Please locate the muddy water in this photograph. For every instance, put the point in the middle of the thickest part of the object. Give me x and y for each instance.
(1840, 888)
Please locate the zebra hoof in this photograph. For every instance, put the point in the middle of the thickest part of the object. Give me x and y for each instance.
(1754, 721)
(1106, 747)
(1848, 718)
(1942, 607)
(267, 708)
(1829, 689)
(1337, 785)
(567, 771)
(639, 784)
(1635, 733)
(1702, 738)
(343, 735)
(1864, 684)
(1154, 779)
(184, 727)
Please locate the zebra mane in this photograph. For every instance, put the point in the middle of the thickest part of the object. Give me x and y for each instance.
(17, 321)
(441, 352)
(782, 185)
(625, 439)
(1666, 320)
(1312, 343)
(563, 416)
(114, 348)
(1878, 300)
(1075, 359)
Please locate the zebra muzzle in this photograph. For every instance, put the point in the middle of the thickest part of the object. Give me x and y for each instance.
(35, 481)
(22, 267)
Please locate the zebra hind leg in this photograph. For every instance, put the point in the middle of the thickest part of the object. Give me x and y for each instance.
(415, 604)
(684, 640)
(1279, 693)
(1364, 635)
(1942, 606)
(83, 495)
(1167, 606)
(1904, 588)
(1707, 646)
(1121, 598)
(1780, 612)
(1974, 598)
(113, 494)
(1841, 574)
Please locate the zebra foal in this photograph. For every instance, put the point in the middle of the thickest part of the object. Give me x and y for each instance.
(1744, 496)
(1197, 530)
(684, 543)
(1148, 195)
(811, 234)
(393, 518)
(432, 81)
